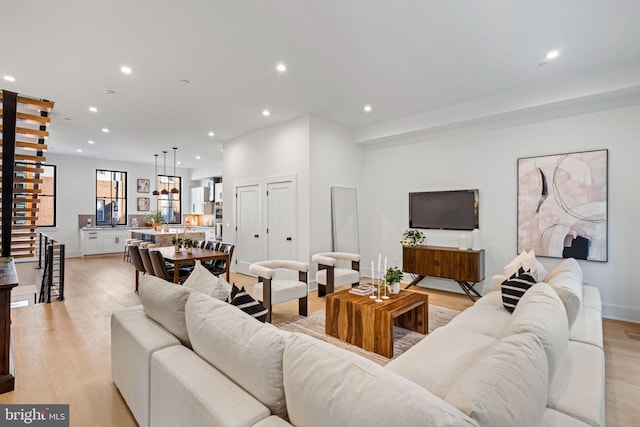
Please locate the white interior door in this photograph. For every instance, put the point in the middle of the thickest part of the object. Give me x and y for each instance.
(248, 227)
(281, 220)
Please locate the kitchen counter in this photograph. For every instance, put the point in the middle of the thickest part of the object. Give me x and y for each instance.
(164, 238)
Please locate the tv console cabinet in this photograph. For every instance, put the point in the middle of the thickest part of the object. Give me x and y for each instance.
(466, 267)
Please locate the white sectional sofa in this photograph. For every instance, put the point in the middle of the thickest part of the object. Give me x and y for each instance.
(186, 359)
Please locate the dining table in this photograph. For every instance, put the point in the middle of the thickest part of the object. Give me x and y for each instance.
(183, 257)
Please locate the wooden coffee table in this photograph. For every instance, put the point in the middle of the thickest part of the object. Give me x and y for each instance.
(361, 321)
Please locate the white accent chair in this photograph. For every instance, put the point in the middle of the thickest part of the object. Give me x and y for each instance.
(271, 291)
(331, 276)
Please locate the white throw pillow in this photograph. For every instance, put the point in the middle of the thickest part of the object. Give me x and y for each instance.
(528, 261)
(201, 280)
(164, 302)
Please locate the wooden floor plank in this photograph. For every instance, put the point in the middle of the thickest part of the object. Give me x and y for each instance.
(62, 349)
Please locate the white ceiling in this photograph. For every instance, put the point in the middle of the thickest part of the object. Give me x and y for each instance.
(402, 57)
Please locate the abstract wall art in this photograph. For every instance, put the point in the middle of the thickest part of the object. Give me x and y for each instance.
(562, 205)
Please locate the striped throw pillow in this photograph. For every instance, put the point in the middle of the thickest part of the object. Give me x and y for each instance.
(514, 288)
(246, 303)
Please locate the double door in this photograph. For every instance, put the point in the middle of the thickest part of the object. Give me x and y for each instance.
(266, 221)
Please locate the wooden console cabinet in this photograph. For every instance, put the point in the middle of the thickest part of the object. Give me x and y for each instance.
(466, 267)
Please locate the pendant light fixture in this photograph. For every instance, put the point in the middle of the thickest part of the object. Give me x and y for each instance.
(156, 192)
(164, 190)
(174, 190)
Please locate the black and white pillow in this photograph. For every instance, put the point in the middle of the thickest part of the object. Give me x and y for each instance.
(514, 288)
(246, 303)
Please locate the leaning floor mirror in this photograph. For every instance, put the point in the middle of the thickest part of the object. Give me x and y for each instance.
(344, 220)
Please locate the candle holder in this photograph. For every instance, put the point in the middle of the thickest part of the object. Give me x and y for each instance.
(385, 296)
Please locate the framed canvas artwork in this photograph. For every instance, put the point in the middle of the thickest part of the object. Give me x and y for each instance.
(144, 204)
(562, 205)
(143, 185)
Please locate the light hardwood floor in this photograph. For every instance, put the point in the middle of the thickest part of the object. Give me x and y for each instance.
(62, 350)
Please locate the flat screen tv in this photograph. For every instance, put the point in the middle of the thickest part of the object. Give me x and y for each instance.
(444, 210)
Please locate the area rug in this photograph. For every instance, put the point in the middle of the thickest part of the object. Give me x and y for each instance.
(403, 339)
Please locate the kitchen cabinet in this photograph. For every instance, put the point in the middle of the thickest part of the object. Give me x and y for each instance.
(103, 241)
(199, 196)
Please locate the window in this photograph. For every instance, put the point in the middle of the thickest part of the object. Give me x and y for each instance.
(47, 214)
(170, 205)
(111, 197)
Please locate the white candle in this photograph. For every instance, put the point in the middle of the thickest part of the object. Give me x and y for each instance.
(379, 260)
(373, 273)
(384, 272)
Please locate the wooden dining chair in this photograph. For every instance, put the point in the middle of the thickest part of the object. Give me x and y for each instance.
(136, 259)
(161, 270)
(146, 261)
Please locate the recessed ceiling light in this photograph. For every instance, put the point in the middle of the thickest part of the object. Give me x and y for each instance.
(367, 108)
(266, 113)
(105, 130)
(212, 134)
(180, 163)
(90, 142)
(553, 54)
(93, 109)
(125, 69)
(10, 78)
(198, 157)
(79, 150)
(281, 67)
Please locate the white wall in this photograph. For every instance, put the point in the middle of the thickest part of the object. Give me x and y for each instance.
(487, 160)
(334, 161)
(76, 193)
(282, 149)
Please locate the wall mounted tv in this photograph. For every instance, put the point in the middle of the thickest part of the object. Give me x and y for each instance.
(444, 210)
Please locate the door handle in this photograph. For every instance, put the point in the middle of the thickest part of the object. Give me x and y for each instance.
(289, 239)
(256, 235)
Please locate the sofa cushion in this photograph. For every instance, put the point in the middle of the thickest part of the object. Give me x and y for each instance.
(187, 391)
(164, 302)
(506, 386)
(247, 304)
(328, 386)
(566, 280)
(588, 327)
(487, 316)
(591, 298)
(578, 389)
(248, 352)
(437, 361)
(272, 421)
(514, 288)
(134, 338)
(201, 280)
(541, 312)
(553, 418)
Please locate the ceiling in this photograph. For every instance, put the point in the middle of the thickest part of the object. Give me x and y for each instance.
(400, 57)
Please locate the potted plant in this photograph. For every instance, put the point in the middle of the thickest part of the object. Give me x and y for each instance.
(412, 237)
(177, 242)
(154, 218)
(189, 244)
(393, 277)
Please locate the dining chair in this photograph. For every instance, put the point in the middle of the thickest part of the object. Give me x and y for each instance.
(146, 261)
(136, 259)
(219, 266)
(271, 291)
(331, 275)
(161, 270)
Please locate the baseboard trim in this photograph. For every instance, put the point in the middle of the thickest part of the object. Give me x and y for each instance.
(620, 312)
